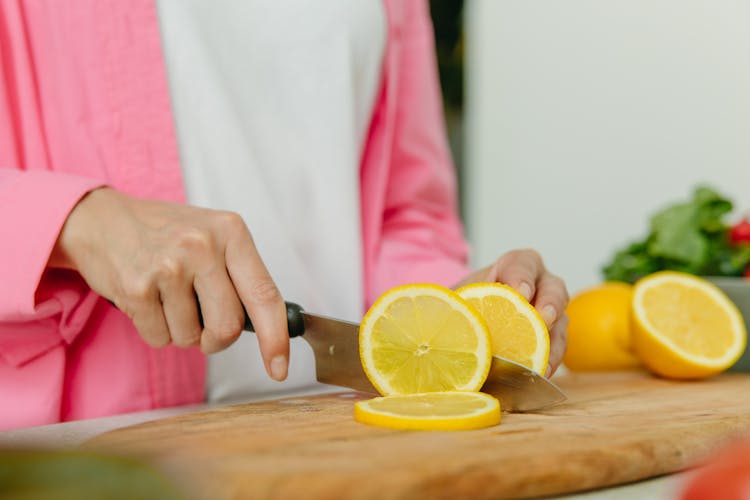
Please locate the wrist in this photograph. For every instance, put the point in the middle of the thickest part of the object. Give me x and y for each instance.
(74, 239)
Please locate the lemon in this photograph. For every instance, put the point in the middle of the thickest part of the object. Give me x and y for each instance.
(424, 338)
(599, 331)
(430, 411)
(684, 326)
(517, 331)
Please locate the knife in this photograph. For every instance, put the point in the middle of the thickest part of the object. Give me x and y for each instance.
(519, 388)
(335, 344)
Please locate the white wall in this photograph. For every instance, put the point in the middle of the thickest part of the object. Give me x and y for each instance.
(585, 116)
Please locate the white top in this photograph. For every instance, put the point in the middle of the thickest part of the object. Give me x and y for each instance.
(272, 101)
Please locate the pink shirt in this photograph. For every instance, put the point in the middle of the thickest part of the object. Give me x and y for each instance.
(83, 103)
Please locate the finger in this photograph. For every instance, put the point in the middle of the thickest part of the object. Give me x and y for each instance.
(180, 309)
(145, 310)
(520, 269)
(223, 316)
(551, 298)
(260, 296)
(558, 341)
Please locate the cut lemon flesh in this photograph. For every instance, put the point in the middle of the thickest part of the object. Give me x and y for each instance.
(684, 326)
(424, 338)
(430, 411)
(517, 331)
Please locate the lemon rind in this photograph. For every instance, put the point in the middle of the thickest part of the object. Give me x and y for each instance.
(487, 416)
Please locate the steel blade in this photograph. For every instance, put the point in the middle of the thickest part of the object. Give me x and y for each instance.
(335, 344)
(519, 388)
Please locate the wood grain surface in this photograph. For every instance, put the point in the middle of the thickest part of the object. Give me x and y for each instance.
(615, 428)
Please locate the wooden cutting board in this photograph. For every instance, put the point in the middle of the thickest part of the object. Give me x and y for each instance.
(615, 428)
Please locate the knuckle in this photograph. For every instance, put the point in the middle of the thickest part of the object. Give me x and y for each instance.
(157, 341)
(557, 280)
(207, 349)
(211, 347)
(557, 284)
(505, 258)
(154, 337)
(232, 221)
(194, 239)
(189, 340)
(532, 255)
(138, 290)
(523, 264)
(226, 332)
(512, 258)
(264, 291)
(169, 268)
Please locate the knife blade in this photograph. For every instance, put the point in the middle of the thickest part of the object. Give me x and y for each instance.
(335, 345)
(520, 389)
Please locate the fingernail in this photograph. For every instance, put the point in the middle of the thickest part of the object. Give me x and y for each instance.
(549, 314)
(525, 290)
(278, 368)
(548, 372)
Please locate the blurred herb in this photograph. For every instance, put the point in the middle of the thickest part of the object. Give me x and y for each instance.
(691, 237)
(72, 475)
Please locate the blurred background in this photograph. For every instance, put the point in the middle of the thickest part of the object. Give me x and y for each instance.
(572, 122)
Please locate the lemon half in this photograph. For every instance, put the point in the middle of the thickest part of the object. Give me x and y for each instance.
(684, 326)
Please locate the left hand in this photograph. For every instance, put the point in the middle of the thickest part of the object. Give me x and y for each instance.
(524, 270)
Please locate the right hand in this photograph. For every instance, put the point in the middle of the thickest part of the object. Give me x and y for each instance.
(152, 258)
(525, 271)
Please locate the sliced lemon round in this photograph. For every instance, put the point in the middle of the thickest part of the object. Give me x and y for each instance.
(685, 327)
(424, 338)
(517, 331)
(430, 411)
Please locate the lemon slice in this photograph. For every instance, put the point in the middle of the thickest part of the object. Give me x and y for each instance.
(517, 331)
(684, 326)
(424, 338)
(430, 411)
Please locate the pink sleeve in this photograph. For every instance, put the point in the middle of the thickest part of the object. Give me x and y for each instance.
(422, 236)
(34, 205)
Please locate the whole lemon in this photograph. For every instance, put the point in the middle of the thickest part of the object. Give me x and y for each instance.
(599, 330)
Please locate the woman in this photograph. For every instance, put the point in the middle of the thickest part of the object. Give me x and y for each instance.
(312, 131)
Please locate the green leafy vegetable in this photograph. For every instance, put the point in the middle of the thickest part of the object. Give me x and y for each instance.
(691, 237)
(72, 475)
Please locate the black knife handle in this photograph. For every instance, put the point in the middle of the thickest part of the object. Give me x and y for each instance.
(294, 320)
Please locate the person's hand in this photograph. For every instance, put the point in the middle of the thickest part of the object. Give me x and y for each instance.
(524, 270)
(152, 258)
